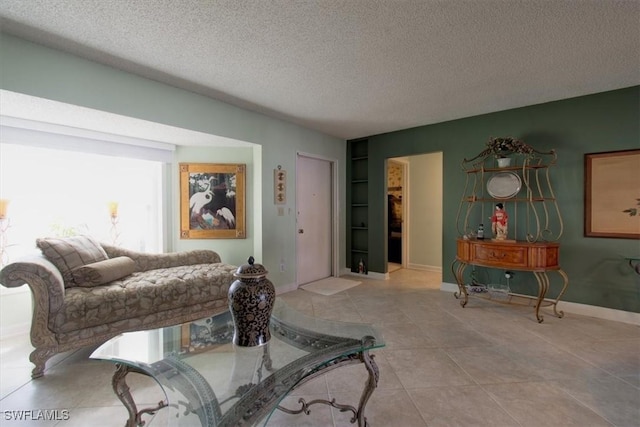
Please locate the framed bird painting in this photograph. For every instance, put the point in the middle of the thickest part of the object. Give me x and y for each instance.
(212, 201)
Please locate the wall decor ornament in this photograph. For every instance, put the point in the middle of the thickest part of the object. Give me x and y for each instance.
(114, 232)
(612, 194)
(501, 147)
(212, 201)
(280, 186)
(4, 232)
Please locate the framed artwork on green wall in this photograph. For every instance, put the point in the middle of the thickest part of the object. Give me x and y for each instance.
(612, 194)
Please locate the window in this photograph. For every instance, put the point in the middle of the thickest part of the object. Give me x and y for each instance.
(54, 192)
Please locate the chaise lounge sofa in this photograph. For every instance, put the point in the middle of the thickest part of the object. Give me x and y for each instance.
(85, 292)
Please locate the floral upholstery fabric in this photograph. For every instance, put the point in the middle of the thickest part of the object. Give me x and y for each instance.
(164, 289)
(146, 261)
(103, 272)
(69, 253)
(142, 294)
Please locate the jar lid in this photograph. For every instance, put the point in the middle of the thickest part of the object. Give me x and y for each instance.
(250, 270)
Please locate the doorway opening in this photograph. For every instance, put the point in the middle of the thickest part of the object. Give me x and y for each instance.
(414, 212)
(396, 213)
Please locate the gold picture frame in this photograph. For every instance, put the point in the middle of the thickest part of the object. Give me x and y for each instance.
(212, 201)
(612, 196)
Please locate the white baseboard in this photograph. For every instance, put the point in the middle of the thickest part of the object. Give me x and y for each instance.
(581, 309)
(422, 267)
(370, 275)
(283, 289)
(385, 276)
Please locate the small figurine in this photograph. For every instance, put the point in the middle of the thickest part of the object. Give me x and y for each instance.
(361, 266)
(499, 222)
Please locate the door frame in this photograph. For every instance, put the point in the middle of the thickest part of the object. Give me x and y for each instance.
(405, 213)
(334, 256)
(404, 162)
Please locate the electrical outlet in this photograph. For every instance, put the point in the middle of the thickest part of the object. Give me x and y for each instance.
(282, 267)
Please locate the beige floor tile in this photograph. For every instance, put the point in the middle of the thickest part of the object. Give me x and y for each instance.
(13, 378)
(633, 380)
(97, 417)
(33, 418)
(617, 356)
(381, 315)
(604, 329)
(319, 414)
(613, 399)
(444, 336)
(553, 363)
(398, 336)
(485, 364)
(459, 406)
(418, 368)
(388, 408)
(315, 386)
(54, 391)
(353, 378)
(421, 313)
(491, 365)
(537, 404)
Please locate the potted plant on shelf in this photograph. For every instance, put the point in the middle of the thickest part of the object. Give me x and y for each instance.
(502, 147)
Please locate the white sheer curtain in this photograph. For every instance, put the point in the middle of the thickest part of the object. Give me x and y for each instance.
(54, 192)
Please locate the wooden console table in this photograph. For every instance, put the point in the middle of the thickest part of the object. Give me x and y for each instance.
(512, 180)
(538, 258)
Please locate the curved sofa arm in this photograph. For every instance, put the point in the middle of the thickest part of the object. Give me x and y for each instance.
(46, 285)
(147, 261)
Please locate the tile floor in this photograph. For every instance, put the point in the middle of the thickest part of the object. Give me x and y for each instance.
(484, 365)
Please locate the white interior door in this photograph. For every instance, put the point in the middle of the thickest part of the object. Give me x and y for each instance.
(314, 219)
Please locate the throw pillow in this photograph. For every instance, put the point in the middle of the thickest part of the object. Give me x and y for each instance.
(101, 272)
(68, 253)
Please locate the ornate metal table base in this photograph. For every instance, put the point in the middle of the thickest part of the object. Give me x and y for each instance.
(257, 399)
(540, 301)
(123, 392)
(220, 384)
(370, 386)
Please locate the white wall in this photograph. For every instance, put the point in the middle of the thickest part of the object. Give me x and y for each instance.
(41, 72)
(425, 211)
(234, 251)
(48, 74)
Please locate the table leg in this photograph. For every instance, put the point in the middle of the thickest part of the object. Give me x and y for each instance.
(372, 383)
(120, 387)
(458, 274)
(543, 286)
(564, 288)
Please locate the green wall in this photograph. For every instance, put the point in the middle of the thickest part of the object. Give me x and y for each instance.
(601, 122)
(41, 72)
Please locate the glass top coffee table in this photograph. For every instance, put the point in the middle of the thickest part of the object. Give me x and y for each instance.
(209, 381)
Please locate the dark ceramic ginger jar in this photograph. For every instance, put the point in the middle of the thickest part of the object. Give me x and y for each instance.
(251, 299)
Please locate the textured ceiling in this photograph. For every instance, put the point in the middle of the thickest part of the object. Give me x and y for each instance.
(355, 67)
